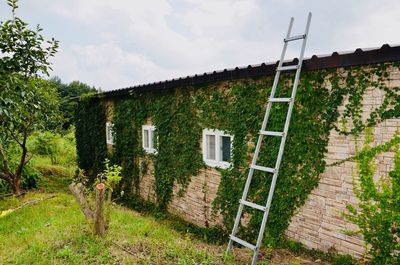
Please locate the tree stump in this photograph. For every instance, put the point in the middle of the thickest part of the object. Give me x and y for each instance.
(98, 216)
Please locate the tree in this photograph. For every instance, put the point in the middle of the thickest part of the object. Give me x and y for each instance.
(97, 215)
(27, 102)
(67, 94)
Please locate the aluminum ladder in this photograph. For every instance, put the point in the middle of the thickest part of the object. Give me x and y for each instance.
(243, 202)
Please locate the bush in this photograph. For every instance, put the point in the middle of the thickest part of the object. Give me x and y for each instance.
(30, 178)
(4, 187)
(60, 149)
(378, 211)
(47, 144)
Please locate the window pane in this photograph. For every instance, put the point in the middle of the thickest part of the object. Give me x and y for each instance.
(210, 143)
(154, 139)
(146, 138)
(226, 148)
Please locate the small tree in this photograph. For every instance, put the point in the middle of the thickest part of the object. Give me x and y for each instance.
(378, 211)
(27, 102)
(97, 215)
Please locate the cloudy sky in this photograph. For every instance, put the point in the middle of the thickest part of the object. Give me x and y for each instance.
(120, 43)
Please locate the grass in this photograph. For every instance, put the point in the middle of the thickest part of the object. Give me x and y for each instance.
(54, 231)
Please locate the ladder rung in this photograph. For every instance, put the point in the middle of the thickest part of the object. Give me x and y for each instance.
(288, 68)
(299, 37)
(280, 99)
(270, 133)
(243, 243)
(266, 169)
(253, 205)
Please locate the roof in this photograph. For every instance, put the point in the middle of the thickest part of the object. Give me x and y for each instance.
(386, 53)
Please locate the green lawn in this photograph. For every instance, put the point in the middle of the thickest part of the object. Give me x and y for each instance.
(54, 231)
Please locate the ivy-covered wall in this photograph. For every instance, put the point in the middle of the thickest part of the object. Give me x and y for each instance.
(319, 222)
(90, 122)
(237, 107)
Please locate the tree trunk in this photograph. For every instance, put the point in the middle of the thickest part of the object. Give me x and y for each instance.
(77, 191)
(16, 185)
(98, 216)
(108, 208)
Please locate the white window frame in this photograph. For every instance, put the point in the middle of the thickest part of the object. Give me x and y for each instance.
(151, 149)
(109, 133)
(218, 149)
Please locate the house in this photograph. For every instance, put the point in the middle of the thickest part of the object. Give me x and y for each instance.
(185, 143)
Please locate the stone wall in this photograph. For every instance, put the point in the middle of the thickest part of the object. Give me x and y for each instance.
(193, 203)
(319, 223)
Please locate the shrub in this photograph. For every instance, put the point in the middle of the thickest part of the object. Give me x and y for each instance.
(60, 149)
(378, 212)
(30, 177)
(47, 144)
(4, 188)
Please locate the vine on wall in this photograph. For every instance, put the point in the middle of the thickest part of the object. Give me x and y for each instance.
(178, 133)
(238, 108)
(128, 118)
(90, 133)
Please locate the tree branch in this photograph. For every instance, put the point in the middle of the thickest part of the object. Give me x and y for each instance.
(28, 158)
(5, 177)
(23, 161)
(6, 167)
(14, 136)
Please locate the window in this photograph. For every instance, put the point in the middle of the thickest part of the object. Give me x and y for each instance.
(109, 133)
(149, 138)
(217, 148)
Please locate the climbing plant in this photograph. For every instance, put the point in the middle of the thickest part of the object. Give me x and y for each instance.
(237, 108)
(377, 214)
(240, 113)
(128, 118)
(178, 135)
(90, 122)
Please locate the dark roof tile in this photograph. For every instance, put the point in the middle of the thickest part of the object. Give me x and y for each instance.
(386, 53)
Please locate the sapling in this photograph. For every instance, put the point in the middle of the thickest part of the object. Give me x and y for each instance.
(106, 183)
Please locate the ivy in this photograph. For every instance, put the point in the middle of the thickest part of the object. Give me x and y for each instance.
(377, 213)
(90, 122)
(237, 107)
(128, 118)
(302, 162)
(178, 133)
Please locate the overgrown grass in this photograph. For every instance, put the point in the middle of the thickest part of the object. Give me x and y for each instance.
(55, 232)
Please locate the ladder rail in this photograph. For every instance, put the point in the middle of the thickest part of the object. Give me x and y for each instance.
(260, 138)
(282, 145)
(275, 171)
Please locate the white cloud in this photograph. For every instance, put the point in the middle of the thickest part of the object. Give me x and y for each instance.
(105, 64)
(113, 44)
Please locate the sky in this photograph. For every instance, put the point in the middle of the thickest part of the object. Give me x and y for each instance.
(122, 43)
